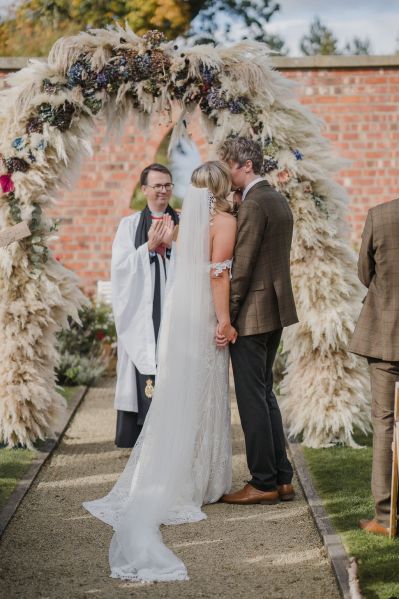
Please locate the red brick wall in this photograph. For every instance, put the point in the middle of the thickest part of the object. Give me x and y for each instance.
(360, 107)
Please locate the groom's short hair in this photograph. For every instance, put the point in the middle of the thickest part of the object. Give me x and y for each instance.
(241, 149)
(155, 166)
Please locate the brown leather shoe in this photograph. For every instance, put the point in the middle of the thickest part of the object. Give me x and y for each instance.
(374, 527)
(249, 495)
(286, 492)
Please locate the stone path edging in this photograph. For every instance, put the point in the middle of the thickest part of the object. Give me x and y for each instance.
(44, 453)
(336, 552)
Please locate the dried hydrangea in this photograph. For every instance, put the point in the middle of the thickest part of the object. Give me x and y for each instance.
(269, 165)
(51, 88)
(79, 73)
(237, 105)
(216, 100)
(57, 116)
(34, 125)
(154, 38)
(15, 164)
(209, 74)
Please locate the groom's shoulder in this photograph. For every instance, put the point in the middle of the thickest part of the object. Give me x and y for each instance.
(264, 191)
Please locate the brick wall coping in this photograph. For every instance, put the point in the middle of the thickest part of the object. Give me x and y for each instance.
(14, 63)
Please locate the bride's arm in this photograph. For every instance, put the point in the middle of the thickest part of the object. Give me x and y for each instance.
(223, 235)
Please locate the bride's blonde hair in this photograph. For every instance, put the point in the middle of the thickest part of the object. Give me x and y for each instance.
(214, 175)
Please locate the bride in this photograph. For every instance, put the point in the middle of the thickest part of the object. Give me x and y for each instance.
(182, 459)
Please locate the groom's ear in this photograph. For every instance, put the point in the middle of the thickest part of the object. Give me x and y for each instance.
(248, 166)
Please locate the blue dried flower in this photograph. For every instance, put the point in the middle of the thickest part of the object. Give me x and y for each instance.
(42, 145)
(297, 154)
(18, 143)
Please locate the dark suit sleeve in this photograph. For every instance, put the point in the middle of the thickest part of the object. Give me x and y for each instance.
(366, 263)
(250, 230)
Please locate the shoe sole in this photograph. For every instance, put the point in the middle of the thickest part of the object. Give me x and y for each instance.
(269, 502)
(287, 497)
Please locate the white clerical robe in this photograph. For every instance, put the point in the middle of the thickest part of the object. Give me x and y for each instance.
(132, 284)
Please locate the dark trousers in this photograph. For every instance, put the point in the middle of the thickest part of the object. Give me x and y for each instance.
(383, 376)
(252, 358)
(129, 424)
(127, 429)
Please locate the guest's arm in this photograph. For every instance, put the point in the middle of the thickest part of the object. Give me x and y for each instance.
(366, 262)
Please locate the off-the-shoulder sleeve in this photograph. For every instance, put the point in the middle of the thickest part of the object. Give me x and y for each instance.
(217, 268)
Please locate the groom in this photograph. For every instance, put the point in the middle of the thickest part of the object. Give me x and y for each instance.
(261, 304)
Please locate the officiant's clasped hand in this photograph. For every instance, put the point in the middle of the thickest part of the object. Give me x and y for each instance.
(161, 233)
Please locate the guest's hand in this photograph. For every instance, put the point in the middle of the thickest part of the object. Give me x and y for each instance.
(169, 227)
(155, 235)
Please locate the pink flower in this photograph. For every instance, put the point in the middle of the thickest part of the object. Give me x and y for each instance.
(283, 176)
(7, 184)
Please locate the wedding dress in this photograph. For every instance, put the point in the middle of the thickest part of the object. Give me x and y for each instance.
(182, 459)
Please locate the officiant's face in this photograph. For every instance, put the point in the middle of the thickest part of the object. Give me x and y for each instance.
(158, 191)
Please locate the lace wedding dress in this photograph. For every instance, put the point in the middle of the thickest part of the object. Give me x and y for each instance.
(182, 459)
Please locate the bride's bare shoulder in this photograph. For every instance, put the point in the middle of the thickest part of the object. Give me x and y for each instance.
(224, 220)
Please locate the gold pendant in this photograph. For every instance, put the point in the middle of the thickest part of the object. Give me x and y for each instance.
(149, 389)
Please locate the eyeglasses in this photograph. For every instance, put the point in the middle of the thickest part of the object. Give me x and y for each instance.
(160, 186)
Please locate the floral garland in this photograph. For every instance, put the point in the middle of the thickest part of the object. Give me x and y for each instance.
(149, 67)
(48, 115)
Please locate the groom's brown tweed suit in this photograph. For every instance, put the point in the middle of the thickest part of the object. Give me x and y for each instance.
(261, 292)
(261, 304)
(376, 337)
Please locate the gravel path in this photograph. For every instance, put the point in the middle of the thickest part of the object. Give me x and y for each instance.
(53, 549)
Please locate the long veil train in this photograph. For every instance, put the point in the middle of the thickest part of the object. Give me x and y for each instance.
(183, 456)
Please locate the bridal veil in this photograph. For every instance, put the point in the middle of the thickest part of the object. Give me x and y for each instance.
(158, 485)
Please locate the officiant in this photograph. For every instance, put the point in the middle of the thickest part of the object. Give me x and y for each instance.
(142, 260)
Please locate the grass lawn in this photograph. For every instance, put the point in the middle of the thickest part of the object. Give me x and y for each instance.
(15, 462)
(342, 478)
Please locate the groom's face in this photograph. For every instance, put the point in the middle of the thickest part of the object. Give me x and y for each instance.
(239, 173)
(158, 191)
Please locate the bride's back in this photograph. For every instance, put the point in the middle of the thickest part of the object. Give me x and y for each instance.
(222, 236)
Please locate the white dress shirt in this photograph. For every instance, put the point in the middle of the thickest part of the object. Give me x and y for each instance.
(250, 185)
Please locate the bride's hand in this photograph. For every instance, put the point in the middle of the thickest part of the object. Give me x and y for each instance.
(225, 334)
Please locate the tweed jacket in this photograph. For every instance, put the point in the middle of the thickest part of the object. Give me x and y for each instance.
(377, 331)
(261, 297)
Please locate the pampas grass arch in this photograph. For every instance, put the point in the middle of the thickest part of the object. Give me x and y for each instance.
(47, 117)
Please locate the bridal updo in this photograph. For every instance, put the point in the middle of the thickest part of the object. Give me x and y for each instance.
(215, 175)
